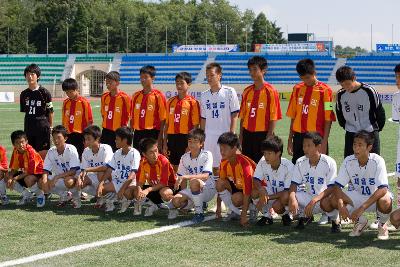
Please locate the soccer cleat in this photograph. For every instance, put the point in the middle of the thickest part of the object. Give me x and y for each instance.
(324, 219)
(345, 221)
(172, 214)
(137, 209)
(205, 206)
(5, 200)
(150, 210)
(198, 218)
(110, 206)
(125, 203)
(391, 227)
(265, 221)
(359, 227)
(374, 225)
(77, 203)
(336, 227)
(99, 203)
(300, 224)
(23, 201)
(40, 201)
(286, 220)
(231, 217)
(383, 232)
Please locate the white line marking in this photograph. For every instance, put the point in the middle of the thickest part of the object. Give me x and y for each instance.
(390, 174)
(100, 243)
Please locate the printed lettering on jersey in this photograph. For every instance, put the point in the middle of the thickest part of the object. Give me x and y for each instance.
(360, 107)
(300, 100)
(95, 164)
(314, 102)
(150, 107)
(194, 170)
(261, 105)
(64, 166)
(137, 106)
(117, 109)
(347, 106)
(185, 111)
(208, 104)
(215, 105)
(222, 105)
(39, 103)
(171, 110)
(320, 180)
(106, 108)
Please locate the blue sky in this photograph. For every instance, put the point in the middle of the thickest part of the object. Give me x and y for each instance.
(349, 20)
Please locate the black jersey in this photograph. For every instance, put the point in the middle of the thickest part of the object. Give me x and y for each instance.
(37, 105)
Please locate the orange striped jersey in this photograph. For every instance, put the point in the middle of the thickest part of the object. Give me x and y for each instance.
(115, 110)
(29, 162)
(161, 172)
(76, 114)
(310, 107)
(259, 107)
(240, 173)
(148, 110)
(3, 158)
(183, 114)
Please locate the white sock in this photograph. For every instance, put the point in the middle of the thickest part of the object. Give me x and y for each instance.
(2, 188)
(90, 190)
(334, 215)
(226, 197)
(170, 205)
(198, 202)
(35, 189)
(17, 187)
(383, 218)
(76, 194)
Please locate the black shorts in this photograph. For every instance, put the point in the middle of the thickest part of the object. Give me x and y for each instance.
(298, 147)
(177, 144)
(155, 196)
(140, 134)
(39, 138)
(77, 140)
(108, 137)
(22, 181)
(348, 144)
(234, 188)
(251, 144)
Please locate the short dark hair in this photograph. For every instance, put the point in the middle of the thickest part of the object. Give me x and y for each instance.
(146, 143)
(273, 143)
(366, 136)
(18, 135)
(198, 134)
(33, 68)
(113, 75)
(314, 136)
(186, 76)
(305, 66)
(125, 133)
(148, 69)
(345, 73)
(397, 68)
(215, 65)
(229, 139)
(69, 84)
(261, 62)
(60, 129)
(92, 130)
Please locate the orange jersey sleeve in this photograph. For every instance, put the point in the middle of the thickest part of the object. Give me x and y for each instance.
(3, 158)
(183, 114)
(115, 110)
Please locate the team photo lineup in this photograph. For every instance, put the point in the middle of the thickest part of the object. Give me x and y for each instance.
(183, 154)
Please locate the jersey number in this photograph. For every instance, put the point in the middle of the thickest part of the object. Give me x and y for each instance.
(253, 112)
(142, 113)
(215, 113)
(365, 190)
(177, 117)
(32, 110)
(71, 119)
(110, 115)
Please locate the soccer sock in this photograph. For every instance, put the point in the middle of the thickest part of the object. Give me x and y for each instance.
(17, 187)
(398, 192)
(35, 189)
(90, 190)
(170, 205)
(383, 218)
(198, 202)
(334, 215)
(2, 188)
(76, 194)
(226, 197)
(110, 196)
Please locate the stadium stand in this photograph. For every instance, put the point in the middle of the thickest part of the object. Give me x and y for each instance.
(93, 58)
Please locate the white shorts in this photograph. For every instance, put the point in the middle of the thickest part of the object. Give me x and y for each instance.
(211, 145)
(59, 188)
(358, 199)
(93, 178)
(303, 198)
(398, 160)
(119, 183)
(207, 194)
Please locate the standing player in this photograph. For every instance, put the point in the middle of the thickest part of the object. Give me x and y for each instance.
(396, 118)
(316, 171)
(183, 114)
(259, 111)
(76, 114)
(310, 109)
(115, 109)
(148, 109)
(35, 102)
(196, 167)
(3, 172)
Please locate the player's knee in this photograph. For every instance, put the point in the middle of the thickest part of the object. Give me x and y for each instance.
(395, 218)
(384, 204)
(220, 185)
(325, 205)
(195, 185)
(237, 199)
(255, 194)
(129, 193)
(69, 182)
(30, 180)
(278, 207)
(166, 194)
(177, 201)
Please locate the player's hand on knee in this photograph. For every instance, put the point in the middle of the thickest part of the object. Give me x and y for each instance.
(344, 213)
(308, 211)
(244, 221)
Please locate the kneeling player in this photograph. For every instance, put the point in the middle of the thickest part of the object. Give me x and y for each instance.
(235, 183)
(272, 178)
(121, 171)
(367, 172)
(196, 167)
(316, 171)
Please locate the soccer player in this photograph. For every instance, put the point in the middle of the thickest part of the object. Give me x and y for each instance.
(183, 114)
(219, 111)
(61, 166)
(396, 118)
(367, 173)
(115, 109)
(358, 107)
(121, 171)
(310, 109)
(316, 171)
(272, 179)
(155, 179)
(76, 114)
(94, 160)
(259, 111)
(196, 167)
(26, 170)
(148, 109)
(35, 102)
(235, 182)
(3, 172)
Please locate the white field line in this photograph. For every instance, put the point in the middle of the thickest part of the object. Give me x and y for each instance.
(100, 243)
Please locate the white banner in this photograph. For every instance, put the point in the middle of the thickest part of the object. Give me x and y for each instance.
(6, 97)
(291, 47)
(218, 48)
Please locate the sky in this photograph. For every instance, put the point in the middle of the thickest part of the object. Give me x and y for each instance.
(348, 22)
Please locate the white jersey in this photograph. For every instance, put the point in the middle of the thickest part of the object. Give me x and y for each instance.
(123, 165)
(396, 107)
(274, 180)
(57, 164)
(366, 179)
(101, 158)
(191, 166)
(217, 108)
(315, 178)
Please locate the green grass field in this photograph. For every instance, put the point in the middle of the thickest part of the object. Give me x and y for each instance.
(27, 231)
